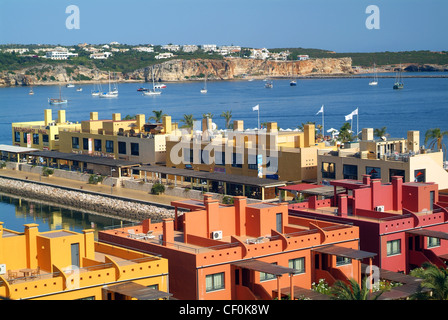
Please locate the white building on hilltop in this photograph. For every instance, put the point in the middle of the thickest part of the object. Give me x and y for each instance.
(60, 54)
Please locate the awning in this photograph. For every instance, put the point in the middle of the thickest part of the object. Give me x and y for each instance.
(138, 291)
(300, 187)
(16, 149)
(429, 233)
(265, 267)
(345, 252)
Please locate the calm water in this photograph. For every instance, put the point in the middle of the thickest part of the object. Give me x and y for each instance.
(14, 213)
(421, 105)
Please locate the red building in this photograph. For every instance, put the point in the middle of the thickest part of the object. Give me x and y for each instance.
(405, 224)
(245, 251)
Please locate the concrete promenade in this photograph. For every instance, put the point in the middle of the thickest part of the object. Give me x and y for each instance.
(105, 190)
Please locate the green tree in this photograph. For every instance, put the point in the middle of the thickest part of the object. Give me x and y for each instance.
(227, 115)
(380, 132)
(436, 137)
(157, 117)
(345, 133)
(207, 115)
(436, 279)
(352, 291)
(188, 121)
(302, 126)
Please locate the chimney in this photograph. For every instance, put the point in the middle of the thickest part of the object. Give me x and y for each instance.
(167, 124)
(238, 125)
(89, 243)
(272, 127)
(48, 117)
(375, 185)
(93, 115)
(116, 116)
(146, 224)
(312, 202)
(61, 116)
(212, 209)
(240, 204)
(140, 121)
(367, 134)
(206, 124)
(31, 232)
(168, 231)
(342, 205)
(413, 141)
(366, 179)
(310, 135)
(397, 187)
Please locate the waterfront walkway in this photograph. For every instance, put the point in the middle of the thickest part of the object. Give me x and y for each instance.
(100, 189)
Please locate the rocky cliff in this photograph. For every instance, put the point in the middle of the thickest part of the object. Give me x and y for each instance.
(179, 70)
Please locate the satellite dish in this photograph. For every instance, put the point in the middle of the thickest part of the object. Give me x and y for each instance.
(214, 126)
(383, 138)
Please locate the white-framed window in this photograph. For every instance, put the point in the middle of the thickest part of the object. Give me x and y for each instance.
(432, 242)
(298, 264)
(393, 247)
(214, 282)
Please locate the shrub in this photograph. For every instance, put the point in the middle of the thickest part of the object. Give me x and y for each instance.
(95, 178)
(47, 171)
(157, 188)
(227, 200)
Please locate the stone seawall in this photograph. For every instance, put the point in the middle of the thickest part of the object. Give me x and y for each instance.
(112, 206)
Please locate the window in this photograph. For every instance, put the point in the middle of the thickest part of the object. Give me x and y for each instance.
(135, 149)
(45, 138)
(419, 175)
(109, 146)
(396, 172)
(214, 282)
(393, 247)
(252, 161)
(35, 138)
(121, 147)
(266, 276)
(298, 264)
(328, 170)
(85, 143)
(350, 171)
(433, 242)
(75, 143)
(220, 158)
(97, 144)
(374, 172)
(25, 137)
(237, 160)
(340, 261)
(16, 136)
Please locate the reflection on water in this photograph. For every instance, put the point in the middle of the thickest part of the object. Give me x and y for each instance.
(15, 212)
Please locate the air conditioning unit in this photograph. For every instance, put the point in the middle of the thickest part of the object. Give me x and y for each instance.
(2, 268)
(379, 208)
(217, 235)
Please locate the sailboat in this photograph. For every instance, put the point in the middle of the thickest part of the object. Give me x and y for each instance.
(204, 90)
(96, 89)
(269, 84)
(398, 81)
(56, 101)
(293, 82)
(31, 91)
(152, 92)
(110, 93)
(374, 82)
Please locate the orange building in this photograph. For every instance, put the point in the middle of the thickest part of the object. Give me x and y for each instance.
(245, 251)
(66, 265)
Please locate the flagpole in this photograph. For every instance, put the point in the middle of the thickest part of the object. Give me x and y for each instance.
(323, 126)
(258, 111)
(357, 129)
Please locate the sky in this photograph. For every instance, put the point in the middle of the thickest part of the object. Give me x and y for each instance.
(338, 25)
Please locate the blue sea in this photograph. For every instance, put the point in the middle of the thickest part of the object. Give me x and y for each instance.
(421, 105)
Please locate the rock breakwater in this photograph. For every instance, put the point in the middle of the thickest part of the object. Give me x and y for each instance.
(124, 209)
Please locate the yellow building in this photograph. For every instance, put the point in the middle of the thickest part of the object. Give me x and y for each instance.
(130, 140)
(271, 153)
(66, 265)
(382, 159)
(43, 135)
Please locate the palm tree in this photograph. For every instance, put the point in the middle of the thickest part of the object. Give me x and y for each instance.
(436, 279)
(436, 137)
(207, 115)
(345, 133)
(302, 126)
(227, 115)
(352, 291)
(188, 121)
(158, 115)
(380, 132)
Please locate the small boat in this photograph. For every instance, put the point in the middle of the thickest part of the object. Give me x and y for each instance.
(160, 86)
(31, 92)
(293, 83)
(96, 89)
(204, 89)
(152, 92)
(56, 101)
(142, 89)
(79, 89)
(111, 93)
(269, 84)
(398, 81)
(374, 82)
(70, 85)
